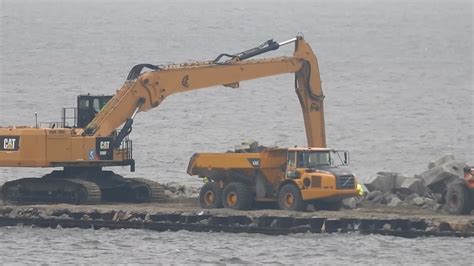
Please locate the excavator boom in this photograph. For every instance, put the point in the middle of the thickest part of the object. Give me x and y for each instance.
(142, 92)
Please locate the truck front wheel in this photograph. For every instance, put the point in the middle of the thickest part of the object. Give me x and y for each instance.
(457, 199)
(290, 198)
(210, 196)
(237, 196)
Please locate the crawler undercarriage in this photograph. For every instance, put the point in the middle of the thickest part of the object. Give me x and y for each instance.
(82, 186)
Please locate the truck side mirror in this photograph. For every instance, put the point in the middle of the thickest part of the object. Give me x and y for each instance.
(346, 158)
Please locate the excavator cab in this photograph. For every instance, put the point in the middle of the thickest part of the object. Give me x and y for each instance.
(88, 106)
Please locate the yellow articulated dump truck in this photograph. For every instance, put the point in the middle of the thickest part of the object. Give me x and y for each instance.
(292, 177)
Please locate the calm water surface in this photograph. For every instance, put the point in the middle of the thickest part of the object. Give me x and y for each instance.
(139, 246)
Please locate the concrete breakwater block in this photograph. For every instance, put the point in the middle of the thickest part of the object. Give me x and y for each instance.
(390, 182)
(443, 174)
(411, 185)
(442, 160)
(383, 181)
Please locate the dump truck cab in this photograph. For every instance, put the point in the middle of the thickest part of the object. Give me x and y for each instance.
(321, 174)
(307, 160)
(310, 164)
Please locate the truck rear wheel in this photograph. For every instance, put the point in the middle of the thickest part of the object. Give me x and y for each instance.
(210, 196)
(290, 198)
(237, 196)
(458, 199)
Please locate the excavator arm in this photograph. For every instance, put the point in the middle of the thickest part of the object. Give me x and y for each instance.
(144, 91)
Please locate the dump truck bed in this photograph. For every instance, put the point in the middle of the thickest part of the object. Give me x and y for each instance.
(269, 162)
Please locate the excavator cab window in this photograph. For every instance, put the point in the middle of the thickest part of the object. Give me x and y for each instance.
(96, 105)
(88, 106)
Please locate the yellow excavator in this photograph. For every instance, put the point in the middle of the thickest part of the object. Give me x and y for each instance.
(92, 138)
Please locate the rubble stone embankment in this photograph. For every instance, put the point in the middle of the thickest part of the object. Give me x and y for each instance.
(425, 190)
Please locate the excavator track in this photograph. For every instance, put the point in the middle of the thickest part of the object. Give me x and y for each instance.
(93, 191)
(82, 188)
(154, 191)
(51, 190)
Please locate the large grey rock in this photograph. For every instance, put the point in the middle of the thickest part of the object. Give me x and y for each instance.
(429, 203)
(418, 201)
(444, 159)
(350, 203)
(411, 197)
(64, 216)
(379, 199)
(388, 197)
(374, 194)
(394, 202)
(384, 181)
(443, 174)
